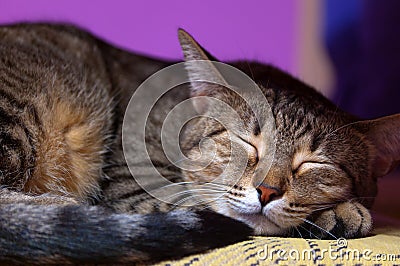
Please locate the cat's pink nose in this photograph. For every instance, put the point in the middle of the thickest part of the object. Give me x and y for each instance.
(266, 194)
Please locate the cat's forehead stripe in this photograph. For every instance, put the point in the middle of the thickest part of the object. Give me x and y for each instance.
(259, 143)
(256, 130)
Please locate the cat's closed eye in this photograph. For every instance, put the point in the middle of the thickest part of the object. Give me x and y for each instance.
(252, 151)
(309, 165)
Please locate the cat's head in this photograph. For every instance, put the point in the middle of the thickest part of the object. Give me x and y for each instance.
(323, 156)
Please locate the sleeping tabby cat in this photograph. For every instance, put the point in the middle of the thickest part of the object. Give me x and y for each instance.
(62, 98)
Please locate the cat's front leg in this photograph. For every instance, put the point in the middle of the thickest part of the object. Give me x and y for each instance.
(348, 219)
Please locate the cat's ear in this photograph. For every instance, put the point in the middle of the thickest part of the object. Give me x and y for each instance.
(204, 76)
(192, 50)
(384, 134)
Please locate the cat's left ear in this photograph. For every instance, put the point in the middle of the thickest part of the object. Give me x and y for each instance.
(384, 134)
(203, 74)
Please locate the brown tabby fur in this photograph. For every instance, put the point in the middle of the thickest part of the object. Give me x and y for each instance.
(67, 133)
(62, 98)
(325, 165)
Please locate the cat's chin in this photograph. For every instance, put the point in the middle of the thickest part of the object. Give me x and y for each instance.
(257, 219)
(261, 224)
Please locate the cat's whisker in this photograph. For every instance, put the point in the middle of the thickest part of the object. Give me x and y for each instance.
(342, 127)
(197, 183)
(191, 191)
(217, 185)
(223, 200)
(323, 204)
(311, 234)
(221, 185)
(211, 184)
(182, 201)
(177, 184)
(319, 227)
(323, 208)
(298, 231)
(202, 187)
(179, 174)
(197, 201)
(201, 198)
(201, 191)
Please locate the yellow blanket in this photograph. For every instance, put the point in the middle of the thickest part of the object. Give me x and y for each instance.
(382, 248)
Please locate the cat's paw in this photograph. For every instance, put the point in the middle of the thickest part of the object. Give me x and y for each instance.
(348, 219)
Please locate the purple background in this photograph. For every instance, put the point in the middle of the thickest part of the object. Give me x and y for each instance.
(262, 30)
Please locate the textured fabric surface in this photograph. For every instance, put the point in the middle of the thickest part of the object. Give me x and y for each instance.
(381, 248)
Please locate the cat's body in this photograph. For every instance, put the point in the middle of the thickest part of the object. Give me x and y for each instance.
(70, 83)
(63, 95)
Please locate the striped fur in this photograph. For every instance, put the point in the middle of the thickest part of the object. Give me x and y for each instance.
(62, 98)
(74, 234)
(63, 94)
(326, 162)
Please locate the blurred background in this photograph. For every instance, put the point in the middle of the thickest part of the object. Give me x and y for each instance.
(347, 49)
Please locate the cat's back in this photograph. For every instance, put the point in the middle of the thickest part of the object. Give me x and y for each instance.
(38, 51)
(55, 107)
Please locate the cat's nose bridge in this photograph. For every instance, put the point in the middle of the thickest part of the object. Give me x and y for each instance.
(276, 177)
(272, 185)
